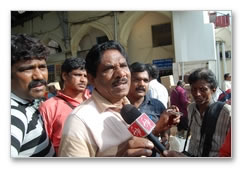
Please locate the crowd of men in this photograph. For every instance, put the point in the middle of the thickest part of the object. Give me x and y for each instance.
(78, 122)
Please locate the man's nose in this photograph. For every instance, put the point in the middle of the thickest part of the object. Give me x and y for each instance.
(141, 83)
(197, 93)
(37, 74)
(120, 72)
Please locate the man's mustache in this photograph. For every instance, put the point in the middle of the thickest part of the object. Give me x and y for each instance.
(141, 88)
(36, 83)
(120, 81)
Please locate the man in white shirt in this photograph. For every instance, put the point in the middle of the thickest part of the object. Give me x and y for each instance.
(156, 89)
(227, 82)
(95, 128)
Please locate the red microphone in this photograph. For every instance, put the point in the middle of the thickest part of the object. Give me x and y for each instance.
(140, 125)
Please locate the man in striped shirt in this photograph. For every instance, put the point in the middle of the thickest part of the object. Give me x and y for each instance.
(208, 126)
(28, 83)
(203, 85)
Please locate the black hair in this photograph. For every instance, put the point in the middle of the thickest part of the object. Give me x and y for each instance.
(138, 67)
(180, 83)
(71, 64)
(26, 47)
(226, 75)
(95, 54)
(153, 71)
(203, 74)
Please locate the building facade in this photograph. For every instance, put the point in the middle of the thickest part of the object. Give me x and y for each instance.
(176, 41)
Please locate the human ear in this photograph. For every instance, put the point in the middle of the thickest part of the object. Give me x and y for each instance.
(214, 90)
(64, 76)
(90, 79)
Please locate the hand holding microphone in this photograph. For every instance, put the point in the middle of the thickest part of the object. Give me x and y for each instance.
(135, 147)
(140, 125)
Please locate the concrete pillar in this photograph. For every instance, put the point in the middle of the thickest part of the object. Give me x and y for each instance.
(218, 63)
(115, 25)
(182, 71)
(224, 58)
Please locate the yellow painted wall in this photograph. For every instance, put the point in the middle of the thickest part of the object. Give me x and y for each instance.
(140, 40)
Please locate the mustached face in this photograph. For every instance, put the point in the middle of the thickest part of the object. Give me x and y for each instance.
(29, 79)
(113, 76)
(139, 84)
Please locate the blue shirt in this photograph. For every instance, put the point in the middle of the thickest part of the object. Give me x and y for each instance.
(152, 107)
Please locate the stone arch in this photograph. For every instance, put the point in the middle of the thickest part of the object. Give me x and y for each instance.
(82, 31)
(127, 27)
(47, 37)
